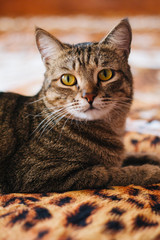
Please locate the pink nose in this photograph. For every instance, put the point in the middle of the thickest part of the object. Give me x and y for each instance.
(89, 97)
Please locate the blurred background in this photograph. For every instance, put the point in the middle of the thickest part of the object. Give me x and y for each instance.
(21, 68)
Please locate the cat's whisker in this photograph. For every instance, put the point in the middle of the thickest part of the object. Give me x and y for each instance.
(48, 116)
(46, 109)
(69, 108)
(118, 110)
(117, 100)
(41, 125)
(65, 109)
(38, 100)
(64, 126)
(53, 125)
(124, 98)
(51, 119)
(37, 115)
(123, 104)
(72, 105)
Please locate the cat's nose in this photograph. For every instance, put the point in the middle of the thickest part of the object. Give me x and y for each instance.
(89, 96)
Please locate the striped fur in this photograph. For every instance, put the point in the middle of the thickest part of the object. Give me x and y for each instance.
(55, 141)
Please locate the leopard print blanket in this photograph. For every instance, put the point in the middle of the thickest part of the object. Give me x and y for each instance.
(117, 213)
(130, 212)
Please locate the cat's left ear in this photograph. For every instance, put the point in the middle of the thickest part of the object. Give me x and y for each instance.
(120, 37)
(49, 46)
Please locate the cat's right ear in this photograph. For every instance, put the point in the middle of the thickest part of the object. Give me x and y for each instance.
(49, 46)
(120, 37)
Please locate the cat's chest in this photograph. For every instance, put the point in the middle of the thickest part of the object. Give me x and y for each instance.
(85, 144)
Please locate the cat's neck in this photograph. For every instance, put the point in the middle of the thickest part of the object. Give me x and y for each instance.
(100, 130)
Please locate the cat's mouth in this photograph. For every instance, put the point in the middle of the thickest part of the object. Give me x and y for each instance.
(90, 109)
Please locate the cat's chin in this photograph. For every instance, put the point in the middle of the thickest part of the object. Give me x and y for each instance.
(90, 115)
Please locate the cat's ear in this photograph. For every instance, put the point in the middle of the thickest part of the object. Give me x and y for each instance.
(49, 46)
(120, 37)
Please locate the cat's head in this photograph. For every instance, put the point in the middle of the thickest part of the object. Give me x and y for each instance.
(87, 81)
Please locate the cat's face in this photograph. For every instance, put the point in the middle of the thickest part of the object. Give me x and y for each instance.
(87, 81)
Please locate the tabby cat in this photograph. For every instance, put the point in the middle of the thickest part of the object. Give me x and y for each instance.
(70, 135)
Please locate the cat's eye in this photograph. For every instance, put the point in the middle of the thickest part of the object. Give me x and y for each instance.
(105, 74)
(68, 79)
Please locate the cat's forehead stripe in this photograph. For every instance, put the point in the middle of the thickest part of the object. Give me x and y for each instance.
(73, 65)
(96, 61)
(84, 55)
(88, 54)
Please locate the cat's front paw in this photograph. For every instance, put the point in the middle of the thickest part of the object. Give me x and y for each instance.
(138, 175)
(151, 175)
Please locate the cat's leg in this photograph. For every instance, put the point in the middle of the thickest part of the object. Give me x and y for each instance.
(138, 169)
(138, 175)
(89, 178)
(59, 179)
(100, 177)
(138, 159)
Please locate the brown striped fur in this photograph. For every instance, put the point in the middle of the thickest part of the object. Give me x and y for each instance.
(55, 141)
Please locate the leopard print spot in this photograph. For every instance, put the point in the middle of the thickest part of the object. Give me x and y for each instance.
(79, 218)
(117, 211)
(12, 200)
(143, 222)
(133, 191)
(28, 225)
(41, 234)
(105, 196)
(114, 226)
(21, 200)
(32, 199)
(63, 201)
(135, 202)
(153, 187)
(42, 213)
(20, 217)
(5, 215)
(155, 208)
(153, 197)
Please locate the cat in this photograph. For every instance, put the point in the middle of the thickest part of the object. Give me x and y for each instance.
(69, 136)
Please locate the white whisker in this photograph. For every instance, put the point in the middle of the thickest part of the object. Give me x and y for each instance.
(45, 119)
(36, 100)
(63, 127)
(53, 118)
(59, 119)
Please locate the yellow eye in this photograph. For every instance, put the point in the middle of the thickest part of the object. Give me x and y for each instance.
(68, 80)
(105, 74)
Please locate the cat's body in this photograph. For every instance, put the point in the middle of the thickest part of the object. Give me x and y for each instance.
(70, 135)
(63, 150)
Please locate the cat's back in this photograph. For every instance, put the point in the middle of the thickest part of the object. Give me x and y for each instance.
(8, 101)
(12, 121)
(10, 104)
